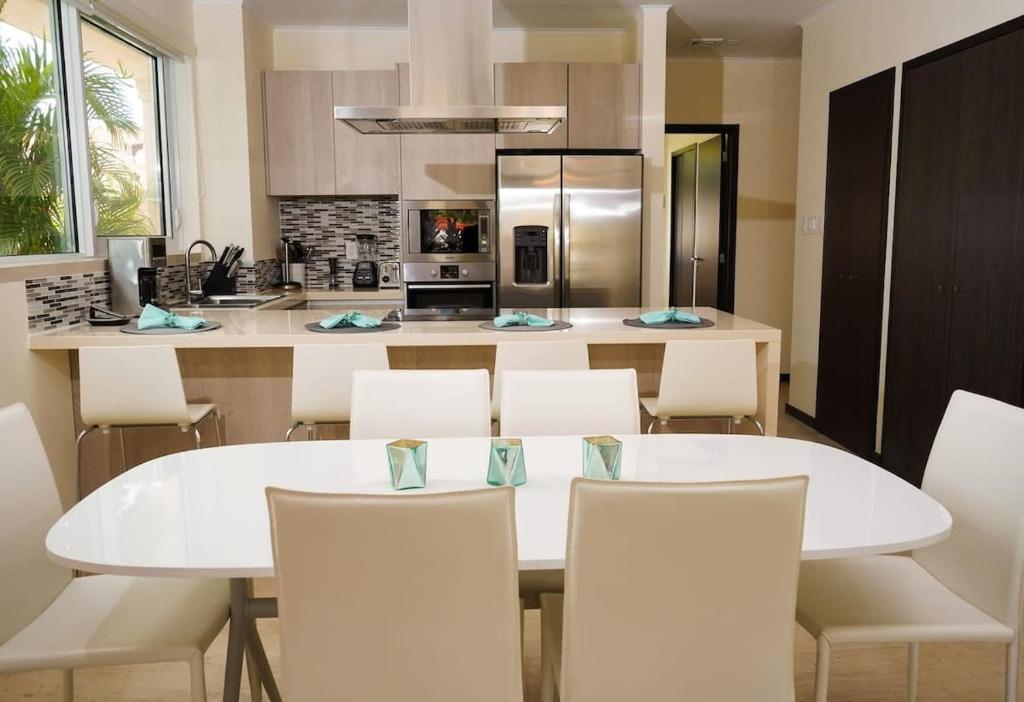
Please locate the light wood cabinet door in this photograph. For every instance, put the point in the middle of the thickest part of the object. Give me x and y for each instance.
(365, 164)
(544, 84)
(299, 118)
(445, 166)
(604, 106)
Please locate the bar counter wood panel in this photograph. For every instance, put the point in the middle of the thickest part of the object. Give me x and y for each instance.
(252, 388)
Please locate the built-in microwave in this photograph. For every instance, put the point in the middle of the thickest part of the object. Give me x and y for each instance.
(438, 231)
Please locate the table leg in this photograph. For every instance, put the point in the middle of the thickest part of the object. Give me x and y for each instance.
(236, 640)
(768, 362)
(244, 642)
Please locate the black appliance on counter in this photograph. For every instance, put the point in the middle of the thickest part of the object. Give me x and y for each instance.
(365, 275)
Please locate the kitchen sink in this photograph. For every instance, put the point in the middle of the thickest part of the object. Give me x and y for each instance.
(224, 301)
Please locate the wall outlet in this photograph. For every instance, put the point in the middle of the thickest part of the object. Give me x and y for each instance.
(810, 225)
(351, 251)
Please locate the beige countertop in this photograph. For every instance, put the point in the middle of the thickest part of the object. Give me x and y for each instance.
(279, 328)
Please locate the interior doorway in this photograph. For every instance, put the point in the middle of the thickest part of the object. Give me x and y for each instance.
(701, 180)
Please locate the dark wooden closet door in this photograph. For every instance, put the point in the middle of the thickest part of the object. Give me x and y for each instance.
(856, 211)
(922, 265)
(987, 330)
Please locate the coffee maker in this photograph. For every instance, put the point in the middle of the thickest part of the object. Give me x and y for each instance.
(365, 275)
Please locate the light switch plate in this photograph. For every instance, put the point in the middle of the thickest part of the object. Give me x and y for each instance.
(351, 251)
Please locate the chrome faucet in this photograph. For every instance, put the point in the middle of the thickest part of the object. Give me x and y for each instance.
(191, 294)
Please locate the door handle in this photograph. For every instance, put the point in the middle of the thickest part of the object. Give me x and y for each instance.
(696, 259)
(566, 254)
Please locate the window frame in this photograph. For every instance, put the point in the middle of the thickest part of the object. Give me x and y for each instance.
(67, 17)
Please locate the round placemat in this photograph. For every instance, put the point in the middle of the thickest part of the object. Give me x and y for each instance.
(133, 328)
(384, 326)
(558, 325)
(639, 323)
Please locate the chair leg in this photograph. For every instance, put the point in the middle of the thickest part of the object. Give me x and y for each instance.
(292, 428)
(728, 425)
(1012, 669)
(216, 426)
(255, 684)
(913, 656)
(821, 671)
(67, 685)
(757, 423)
(547, 669)
(199, 437)
(124, 451)
(78, 456)
(197, 672)
(650, 427)
(310, 432)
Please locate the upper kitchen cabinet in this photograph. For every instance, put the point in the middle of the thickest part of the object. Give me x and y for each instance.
(365, 164)
(532, 84)
(445, 166)
(299, 113)
(604, 106)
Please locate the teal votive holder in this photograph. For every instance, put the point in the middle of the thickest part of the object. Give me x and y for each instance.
(602, 457)
(507, 465)
(407, 461)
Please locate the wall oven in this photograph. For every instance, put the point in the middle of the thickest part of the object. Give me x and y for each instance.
(448, 231)
(449, 290)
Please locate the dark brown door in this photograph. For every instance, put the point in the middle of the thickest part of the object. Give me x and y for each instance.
(856, 213)
(957, 295)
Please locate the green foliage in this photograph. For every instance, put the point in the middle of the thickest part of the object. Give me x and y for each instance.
(33, 208)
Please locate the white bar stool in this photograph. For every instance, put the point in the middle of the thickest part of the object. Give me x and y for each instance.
(131, 387)
(706, 380)
(322, 382)
(534, 355)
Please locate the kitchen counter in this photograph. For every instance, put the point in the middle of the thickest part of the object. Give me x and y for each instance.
(273, 327)
(246, 366)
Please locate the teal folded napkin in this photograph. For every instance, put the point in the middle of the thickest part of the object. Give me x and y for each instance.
(670, 315)
(153, 317)
(521, 319)
(354, 318)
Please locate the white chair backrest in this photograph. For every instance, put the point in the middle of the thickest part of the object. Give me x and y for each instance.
(692, 586)
(398, 597)
(322, 378)
(131, 385)
(535, 355)
(976, 470)
(29, 506)
(708, 379)
(420, 404)
(587, 402)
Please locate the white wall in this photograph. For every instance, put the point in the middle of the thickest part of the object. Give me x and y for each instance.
(346, 48)
(851, 41)
(762, 96)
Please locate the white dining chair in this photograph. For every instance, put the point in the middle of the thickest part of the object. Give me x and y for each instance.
(550, 403)
(535, 355)
(52, 621)
(322, 382)
(125, 387)
(706, 380)
(398, 597)
(420, 404)
(964, 589)
(676, 591)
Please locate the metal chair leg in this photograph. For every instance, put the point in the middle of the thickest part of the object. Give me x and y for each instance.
(728, 425)
(821, 671)
(913, 654)
(292, 428)
(197, 673)
(199, 438)
(757, 423)
(650, 427)
(124, 451)
(78, 455)
(216, 426)
(1012, 669)
(67, 680)
(310, 432)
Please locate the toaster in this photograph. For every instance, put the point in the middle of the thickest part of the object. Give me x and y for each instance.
(388, 275)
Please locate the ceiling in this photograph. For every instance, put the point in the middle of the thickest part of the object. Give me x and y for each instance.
(755, 27)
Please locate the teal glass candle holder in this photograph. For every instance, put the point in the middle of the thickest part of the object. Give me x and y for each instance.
(602, 457)
(407, 461)
(507, 465)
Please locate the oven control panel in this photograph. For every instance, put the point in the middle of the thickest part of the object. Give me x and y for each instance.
(475, 271)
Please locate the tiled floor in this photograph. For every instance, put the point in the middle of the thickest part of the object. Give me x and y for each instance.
(949, 673)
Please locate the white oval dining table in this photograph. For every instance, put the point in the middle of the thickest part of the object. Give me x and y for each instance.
(204, 514)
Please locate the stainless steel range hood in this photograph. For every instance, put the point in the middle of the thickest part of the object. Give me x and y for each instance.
(451, 80)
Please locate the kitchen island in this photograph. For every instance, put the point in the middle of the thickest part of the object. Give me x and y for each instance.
(246, 365)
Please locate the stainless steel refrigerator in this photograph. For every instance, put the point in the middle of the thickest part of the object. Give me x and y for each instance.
(569, 230)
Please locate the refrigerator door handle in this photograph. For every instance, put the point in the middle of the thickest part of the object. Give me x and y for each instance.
(555, 247)
(566, 252)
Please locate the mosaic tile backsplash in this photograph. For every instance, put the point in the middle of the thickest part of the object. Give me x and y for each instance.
(329, 222)
(63, 300)
(251, 278)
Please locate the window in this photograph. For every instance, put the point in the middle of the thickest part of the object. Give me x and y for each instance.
(35, 202)
(121, 87)
(83, 138)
